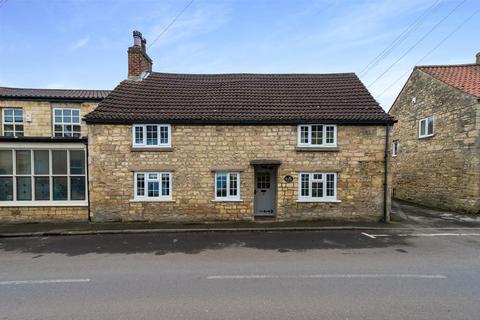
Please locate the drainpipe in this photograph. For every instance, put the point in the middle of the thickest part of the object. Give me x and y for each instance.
(386, 213)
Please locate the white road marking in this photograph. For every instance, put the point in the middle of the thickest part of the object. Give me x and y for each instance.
(17, 282)
(374, 236)
(326, 276)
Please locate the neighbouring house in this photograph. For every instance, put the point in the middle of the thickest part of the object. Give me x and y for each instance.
(43, 173)
(436, 142)
(198, 147)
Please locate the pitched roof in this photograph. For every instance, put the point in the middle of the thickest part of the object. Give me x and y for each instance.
(465, 77)
(240, 98)
(54, 94)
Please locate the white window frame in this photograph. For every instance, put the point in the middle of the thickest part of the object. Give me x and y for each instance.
(229, 196)
(426, 134)
(13, 123)
(71, 123)
(325, 198)
(395, 148)
(309, 144)
(45, 203)
(144, 144)
(147, 178)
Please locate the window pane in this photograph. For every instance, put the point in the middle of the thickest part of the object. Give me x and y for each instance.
(330, 185)
(164, 135)
(76, 112)
(67, 130)
(140, 184)
(8, 127)
(138, 135)
(77, 162)
(23, 162)
(165, 184)
(430, 125)
(60, 188)
(77, 186)
(304, 134)
(233, 184)
(8, 115)
(330, 134)
(317, 189)
(422, 127)
(18, 116)
(66, 113)
(6, 188)
(153, 188)
(58, 114)
(40, 161)
(24, 188)
(152, 135)
(305, 177)
(42, 188)
(59, 161)
(221, 185)
(76, 131)
(6, 162)
(317, 134)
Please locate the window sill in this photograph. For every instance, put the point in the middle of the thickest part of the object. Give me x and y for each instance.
(227, 200)
(40, 203)
(317, 149)
(151, 149)
(318, 201)
(152, 200)
(426, 137)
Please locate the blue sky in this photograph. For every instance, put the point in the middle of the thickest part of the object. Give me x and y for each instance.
(83, 43)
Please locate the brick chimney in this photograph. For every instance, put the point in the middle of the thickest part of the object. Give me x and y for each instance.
(138, 59)
(478, 58)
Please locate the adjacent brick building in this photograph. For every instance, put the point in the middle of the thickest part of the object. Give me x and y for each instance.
(436, 159)
(183, 147)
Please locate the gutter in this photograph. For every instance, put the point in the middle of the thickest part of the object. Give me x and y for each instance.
(386, 213)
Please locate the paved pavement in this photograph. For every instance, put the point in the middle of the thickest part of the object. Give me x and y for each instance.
(343, 274)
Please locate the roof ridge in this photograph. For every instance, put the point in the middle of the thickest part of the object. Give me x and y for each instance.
(251, 74)
(448, 65)
(51, 89)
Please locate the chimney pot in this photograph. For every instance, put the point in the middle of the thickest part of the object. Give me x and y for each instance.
(478, 58)
(137, 38)
(144, 45)
(138, 60)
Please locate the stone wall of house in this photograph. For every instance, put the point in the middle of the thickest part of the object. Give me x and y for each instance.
(41, 124)
(197, 151)
(442, 171)
(42, 214)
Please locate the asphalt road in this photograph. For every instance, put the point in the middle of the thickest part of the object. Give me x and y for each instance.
(422, 274)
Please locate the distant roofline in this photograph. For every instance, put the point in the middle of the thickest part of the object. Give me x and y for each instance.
(53, 94)
(447, 65)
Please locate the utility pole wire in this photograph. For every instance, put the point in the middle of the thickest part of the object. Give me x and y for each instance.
(404, 35)
(431, 51)
(417, 43)
(171, 23)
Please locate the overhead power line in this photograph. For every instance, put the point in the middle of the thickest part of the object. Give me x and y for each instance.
(417, 43)
(404, 35)
(171, 23)
(431, 51)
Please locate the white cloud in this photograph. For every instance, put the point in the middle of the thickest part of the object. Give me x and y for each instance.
(81, 42)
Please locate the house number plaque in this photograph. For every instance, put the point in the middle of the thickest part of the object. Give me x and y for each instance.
(288, 179)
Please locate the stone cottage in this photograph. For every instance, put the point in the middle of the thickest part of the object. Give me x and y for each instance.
(43, 172)
(436, 142)
(197, 147)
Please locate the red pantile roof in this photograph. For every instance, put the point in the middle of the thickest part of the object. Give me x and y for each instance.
(55, 94)
(240, 98)
(464, 77)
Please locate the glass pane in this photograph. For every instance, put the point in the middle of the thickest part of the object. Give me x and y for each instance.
(430, 125)
(6, 189)
(67, 130)
(304, 134)
(58, 119)
(24, 188)
(317, 189)
(8, 127)
(233, 184)
(58, 113)
(77, 186)
(422, 127)
(8, 133)
(152, 135)
(330, 134)
(18, 115)
(6, 162)
(23, 162)
(8, 115)
(42, 188)
(77, 162)
(40, 161)
(153, 188)
(140, 184)
(138, 135)
(165, 184)
(59, 161)
(164, 135)
(304, 189)
(76, 119)
(221, 185)
(19, 127)
(67, 113)
(75, 113)
(60, 188)
(330, 185)
(317, 134)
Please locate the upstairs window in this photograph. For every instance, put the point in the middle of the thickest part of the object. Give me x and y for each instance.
(425, 127)
(66, 122)
(395, 148)
(317, 186)
(151, 135)
(227, 186)
(12, 122)
(317, 135)
(153, 186)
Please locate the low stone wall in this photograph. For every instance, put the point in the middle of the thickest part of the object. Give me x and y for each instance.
(42, 214)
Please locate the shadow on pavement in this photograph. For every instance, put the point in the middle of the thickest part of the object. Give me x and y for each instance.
(194, 243)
